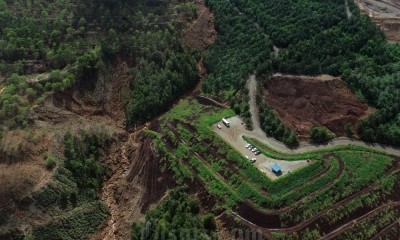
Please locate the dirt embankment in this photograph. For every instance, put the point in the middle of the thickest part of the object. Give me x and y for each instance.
(385, 14)
(106, 96)
(201, 33)
(135, 181)
(135, 184)
(303, 101)
(93, 104)
(22, 167)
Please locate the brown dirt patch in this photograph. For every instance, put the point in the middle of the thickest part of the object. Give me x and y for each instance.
(106, 96)
(304, 101)
(22, 161)
(135, 185)
(385, 14)
(201, 33)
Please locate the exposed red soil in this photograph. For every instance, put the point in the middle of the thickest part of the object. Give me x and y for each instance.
(106, 97)
(201, 33)
(302, 102)
(135, 184)
(327, 226)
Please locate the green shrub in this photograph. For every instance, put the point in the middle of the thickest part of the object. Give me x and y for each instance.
(51, 162)
(209, 222)
(320, 134)
(348, 128)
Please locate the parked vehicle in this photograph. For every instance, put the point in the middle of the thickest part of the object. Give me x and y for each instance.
(225, 122)
(219, 126)
(254, 150)
(253, 160)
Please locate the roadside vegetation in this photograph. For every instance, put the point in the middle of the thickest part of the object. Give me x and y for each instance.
(272, 125)
(360, 177)
(50, 47)
(314, 37)
(320, 134)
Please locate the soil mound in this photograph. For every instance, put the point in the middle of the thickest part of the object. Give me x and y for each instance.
(303, 101)
(135, 185)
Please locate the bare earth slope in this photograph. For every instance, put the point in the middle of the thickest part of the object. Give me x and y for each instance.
(386, 14)
(201, 33)
(302, 102)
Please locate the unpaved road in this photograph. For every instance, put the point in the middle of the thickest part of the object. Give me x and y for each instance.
(259, 134)
(234, 136)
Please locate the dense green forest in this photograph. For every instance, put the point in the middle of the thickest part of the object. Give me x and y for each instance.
(314, 37)
(84, 37)
(177, 217)
(82, 159)
(77, 39)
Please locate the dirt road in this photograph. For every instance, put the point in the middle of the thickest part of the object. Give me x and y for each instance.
(234, 136)
(259, 134)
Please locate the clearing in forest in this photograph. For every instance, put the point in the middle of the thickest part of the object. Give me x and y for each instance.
(303, 101)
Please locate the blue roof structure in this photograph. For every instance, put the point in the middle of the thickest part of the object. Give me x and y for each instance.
(276, 168)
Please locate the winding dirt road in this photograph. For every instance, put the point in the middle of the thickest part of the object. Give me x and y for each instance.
(304, 146)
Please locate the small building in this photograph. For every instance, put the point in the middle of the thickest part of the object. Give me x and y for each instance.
(276, 169)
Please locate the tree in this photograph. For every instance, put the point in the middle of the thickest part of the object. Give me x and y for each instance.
(348, 128)
(320, 134)
(3, 5)
(209, 222)
(291, 140)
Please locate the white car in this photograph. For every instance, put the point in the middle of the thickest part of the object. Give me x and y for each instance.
(247, 157)
(248, 145)
(219, 126)
(253, 160)
(254, 149)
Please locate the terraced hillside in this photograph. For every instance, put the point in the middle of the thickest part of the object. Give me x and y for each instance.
(110, 114)
(347, 192)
